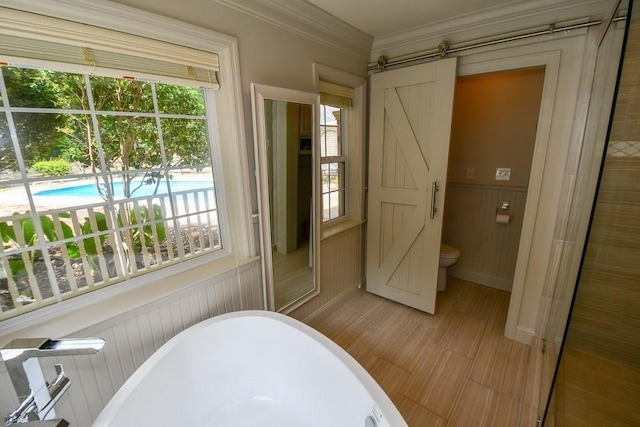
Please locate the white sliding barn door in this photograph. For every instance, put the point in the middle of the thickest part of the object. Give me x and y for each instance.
(410, 125)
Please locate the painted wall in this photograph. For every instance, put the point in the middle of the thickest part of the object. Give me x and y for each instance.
(495, 119)
(494, 125)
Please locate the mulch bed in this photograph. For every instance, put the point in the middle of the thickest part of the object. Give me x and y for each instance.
(201, 241)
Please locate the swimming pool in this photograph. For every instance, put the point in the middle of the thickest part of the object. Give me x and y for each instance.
(90, 190)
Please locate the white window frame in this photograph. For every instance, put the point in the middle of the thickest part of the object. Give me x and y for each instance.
(340, 159)
(228, 148)
(354, 149)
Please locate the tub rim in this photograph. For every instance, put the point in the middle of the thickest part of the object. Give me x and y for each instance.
(380, 399)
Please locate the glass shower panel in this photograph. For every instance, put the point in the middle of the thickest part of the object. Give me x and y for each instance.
(605, 49)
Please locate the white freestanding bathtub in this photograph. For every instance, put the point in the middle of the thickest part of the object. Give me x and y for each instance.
(250, 368)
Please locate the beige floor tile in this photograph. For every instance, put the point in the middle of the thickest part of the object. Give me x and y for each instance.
(596, 391)
(498, 318)
(339, 327)
(411, 350)
(374, 320)
(362, 347)
(491, 361)
(364, 302)
(424, 373)
(529, 416)
(462, 334)
(483, 406)
(394, 332)
(477, 301)
(514, 379)
(389, 376)
(475, 407)
(507, 411)
(418, 416)
(440, 370)
(445, 383)
(534, 375)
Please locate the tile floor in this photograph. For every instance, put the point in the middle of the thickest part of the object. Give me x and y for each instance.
(594, 391)
(454, 368)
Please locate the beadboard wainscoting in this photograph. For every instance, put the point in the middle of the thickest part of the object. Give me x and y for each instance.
(132, 337)
(488, 250)
(340, 270)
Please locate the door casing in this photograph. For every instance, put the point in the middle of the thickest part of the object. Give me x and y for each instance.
(560, 127)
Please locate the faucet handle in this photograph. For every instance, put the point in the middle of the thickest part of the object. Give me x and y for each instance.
(60, 381)
(59, 369)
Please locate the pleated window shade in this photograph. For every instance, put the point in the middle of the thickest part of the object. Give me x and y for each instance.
(336, 95)
(44, 42)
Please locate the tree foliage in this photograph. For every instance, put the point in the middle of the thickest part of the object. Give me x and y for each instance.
(128, 134)
(38, 133)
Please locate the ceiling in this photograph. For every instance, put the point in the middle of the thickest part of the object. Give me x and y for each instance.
(384, 17)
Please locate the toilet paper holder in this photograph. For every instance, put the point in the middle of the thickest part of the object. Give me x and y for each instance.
(502, 213)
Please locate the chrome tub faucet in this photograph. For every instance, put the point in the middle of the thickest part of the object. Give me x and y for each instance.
(36, 396)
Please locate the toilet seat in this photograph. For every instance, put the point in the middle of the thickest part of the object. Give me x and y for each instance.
(447, 251)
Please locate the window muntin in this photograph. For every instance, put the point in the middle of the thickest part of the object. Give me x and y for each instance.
(333, 162)
(134, 144)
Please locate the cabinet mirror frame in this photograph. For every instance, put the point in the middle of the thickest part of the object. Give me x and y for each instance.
(259, 94)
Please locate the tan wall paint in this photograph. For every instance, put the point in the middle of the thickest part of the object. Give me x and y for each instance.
(494, 125)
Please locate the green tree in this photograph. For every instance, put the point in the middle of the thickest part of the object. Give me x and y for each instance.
(38, 133)
(129, 142)
(128, 146)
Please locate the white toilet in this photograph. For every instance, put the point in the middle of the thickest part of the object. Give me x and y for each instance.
(448, 256)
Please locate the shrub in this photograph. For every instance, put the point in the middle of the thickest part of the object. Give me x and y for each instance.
(56, 167)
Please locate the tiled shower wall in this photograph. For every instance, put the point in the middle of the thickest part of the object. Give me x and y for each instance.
(606, 318)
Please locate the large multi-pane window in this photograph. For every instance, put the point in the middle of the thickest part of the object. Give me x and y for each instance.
(101, 179)
(333, 162)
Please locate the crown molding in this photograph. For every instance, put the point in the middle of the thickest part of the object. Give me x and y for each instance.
(489, 22)
(307, 20)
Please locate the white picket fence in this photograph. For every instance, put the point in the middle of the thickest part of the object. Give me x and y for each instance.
(55, 255)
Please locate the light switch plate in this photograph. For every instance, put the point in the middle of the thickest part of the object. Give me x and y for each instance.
(471, 173)
(503, 174)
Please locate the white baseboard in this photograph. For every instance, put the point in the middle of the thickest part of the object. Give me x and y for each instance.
(482, 279)
(524, 335)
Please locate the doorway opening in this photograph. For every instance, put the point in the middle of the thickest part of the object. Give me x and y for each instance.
(493, 136)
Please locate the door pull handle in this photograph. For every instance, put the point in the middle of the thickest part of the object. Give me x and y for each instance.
(434, 189)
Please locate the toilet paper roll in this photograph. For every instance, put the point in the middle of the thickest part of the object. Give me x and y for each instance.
(503, 218)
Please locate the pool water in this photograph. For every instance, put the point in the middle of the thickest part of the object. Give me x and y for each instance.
(90, 190)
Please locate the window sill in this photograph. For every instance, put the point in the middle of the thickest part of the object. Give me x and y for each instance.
(73, 315)
(338, 228)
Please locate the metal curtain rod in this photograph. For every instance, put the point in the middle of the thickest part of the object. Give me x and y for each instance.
(444, 48)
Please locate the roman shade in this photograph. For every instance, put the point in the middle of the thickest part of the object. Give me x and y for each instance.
(335, 95)
(37, 41)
